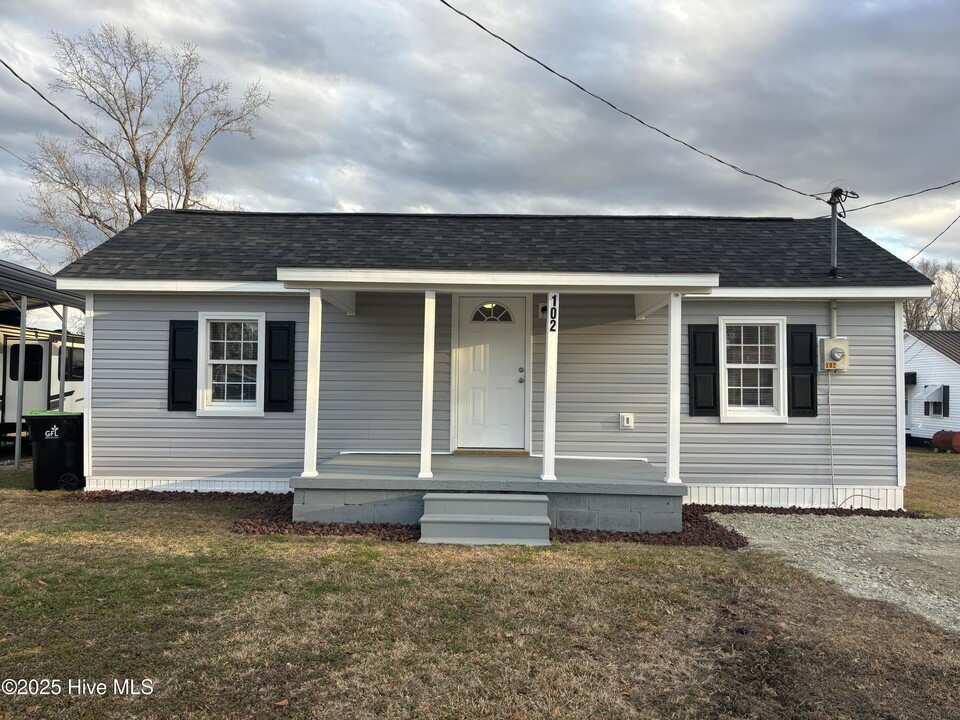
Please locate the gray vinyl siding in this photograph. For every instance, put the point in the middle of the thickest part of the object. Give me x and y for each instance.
(370, 387)
(607, 363)
(865, 407)
(371, 375)
(371, 378)
(134, 435)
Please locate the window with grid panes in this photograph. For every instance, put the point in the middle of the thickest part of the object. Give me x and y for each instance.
(752, 377)
(232, 378)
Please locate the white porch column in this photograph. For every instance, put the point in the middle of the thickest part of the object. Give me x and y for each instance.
(550, 388)
(426, 409)
(673, 390)
(312, 421)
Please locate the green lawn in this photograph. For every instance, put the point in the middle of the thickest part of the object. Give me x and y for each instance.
(230, 626)
(933, 483)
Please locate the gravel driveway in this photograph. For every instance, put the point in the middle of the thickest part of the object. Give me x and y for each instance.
(912, 563)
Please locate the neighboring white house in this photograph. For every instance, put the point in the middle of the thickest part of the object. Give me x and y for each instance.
(615, 364)
(932, 365)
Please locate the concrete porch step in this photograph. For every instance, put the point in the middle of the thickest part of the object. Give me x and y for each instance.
(485, 519)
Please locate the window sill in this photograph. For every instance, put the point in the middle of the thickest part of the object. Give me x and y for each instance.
(229, 412)
(733, 418)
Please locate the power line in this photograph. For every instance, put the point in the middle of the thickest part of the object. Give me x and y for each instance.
(86, 132)
(907, 195)
(11, 152)
(952, 223)
(628, 114)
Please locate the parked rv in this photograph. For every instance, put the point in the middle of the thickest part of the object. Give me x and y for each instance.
(43, 353)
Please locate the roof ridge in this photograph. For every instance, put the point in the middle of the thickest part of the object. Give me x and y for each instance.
(267, 213)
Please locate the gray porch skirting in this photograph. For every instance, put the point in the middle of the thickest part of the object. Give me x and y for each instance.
(624, 495)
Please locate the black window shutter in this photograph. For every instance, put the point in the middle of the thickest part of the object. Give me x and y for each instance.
(280, 366)
(802, 370)
(182, 368)
(703, 366)
(926, 408)
(946, 401)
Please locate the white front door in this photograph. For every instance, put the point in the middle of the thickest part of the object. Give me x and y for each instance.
(492, 374)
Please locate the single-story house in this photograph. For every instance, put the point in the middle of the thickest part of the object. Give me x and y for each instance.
(616, 365)
(932, 364)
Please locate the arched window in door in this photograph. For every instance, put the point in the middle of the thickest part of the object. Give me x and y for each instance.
(492, 312)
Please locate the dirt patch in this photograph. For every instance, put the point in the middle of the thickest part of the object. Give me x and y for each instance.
(912, 563)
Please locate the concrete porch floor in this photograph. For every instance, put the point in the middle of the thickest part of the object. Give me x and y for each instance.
(625, 495)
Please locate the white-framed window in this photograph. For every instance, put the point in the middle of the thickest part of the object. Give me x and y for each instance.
(231, 368)
(753, 383)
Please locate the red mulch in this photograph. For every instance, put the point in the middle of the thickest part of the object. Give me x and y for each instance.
(698, 529)
(275, 519)
(837, 512)
(170, 496)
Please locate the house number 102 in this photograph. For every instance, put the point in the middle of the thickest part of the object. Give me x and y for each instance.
(553, 312)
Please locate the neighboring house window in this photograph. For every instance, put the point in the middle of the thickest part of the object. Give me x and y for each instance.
(936, 409)
(752, 369)
(230, 372)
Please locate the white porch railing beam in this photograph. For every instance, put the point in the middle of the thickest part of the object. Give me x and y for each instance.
(312, 420)
(673, 390)
(426, 409)
(550, 388)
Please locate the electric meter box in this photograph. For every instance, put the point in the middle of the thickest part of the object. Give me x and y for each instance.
(834, 354)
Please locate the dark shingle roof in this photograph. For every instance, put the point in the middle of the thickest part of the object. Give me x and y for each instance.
(945, 341)
(747, 252)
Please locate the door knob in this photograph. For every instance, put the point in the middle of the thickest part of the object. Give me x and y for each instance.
(520, 370)
(520, 380)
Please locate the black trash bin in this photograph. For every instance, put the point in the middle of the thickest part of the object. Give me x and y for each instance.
(57, 440)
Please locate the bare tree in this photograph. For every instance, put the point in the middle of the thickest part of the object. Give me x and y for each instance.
(941, 311)
(156, 117)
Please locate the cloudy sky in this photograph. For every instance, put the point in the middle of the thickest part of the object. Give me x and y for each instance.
(401, 105)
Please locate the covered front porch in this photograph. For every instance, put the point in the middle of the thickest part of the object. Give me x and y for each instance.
(624, 495)
(601, 489)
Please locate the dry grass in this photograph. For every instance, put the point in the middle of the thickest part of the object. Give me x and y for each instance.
(229, 625)
(933, 483)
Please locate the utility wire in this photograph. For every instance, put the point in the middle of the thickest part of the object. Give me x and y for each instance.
(11, 152)
(907, 195)
(628, 114)
(86, 132)
(952, 223)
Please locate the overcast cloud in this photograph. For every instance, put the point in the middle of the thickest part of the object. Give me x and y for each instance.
(401, 105)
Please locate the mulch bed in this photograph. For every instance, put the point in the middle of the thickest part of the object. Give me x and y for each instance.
(698, 530)
(836, 512)
(171, 496)
(275, 519)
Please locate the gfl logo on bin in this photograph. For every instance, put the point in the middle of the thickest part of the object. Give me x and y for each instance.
(53, 433)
